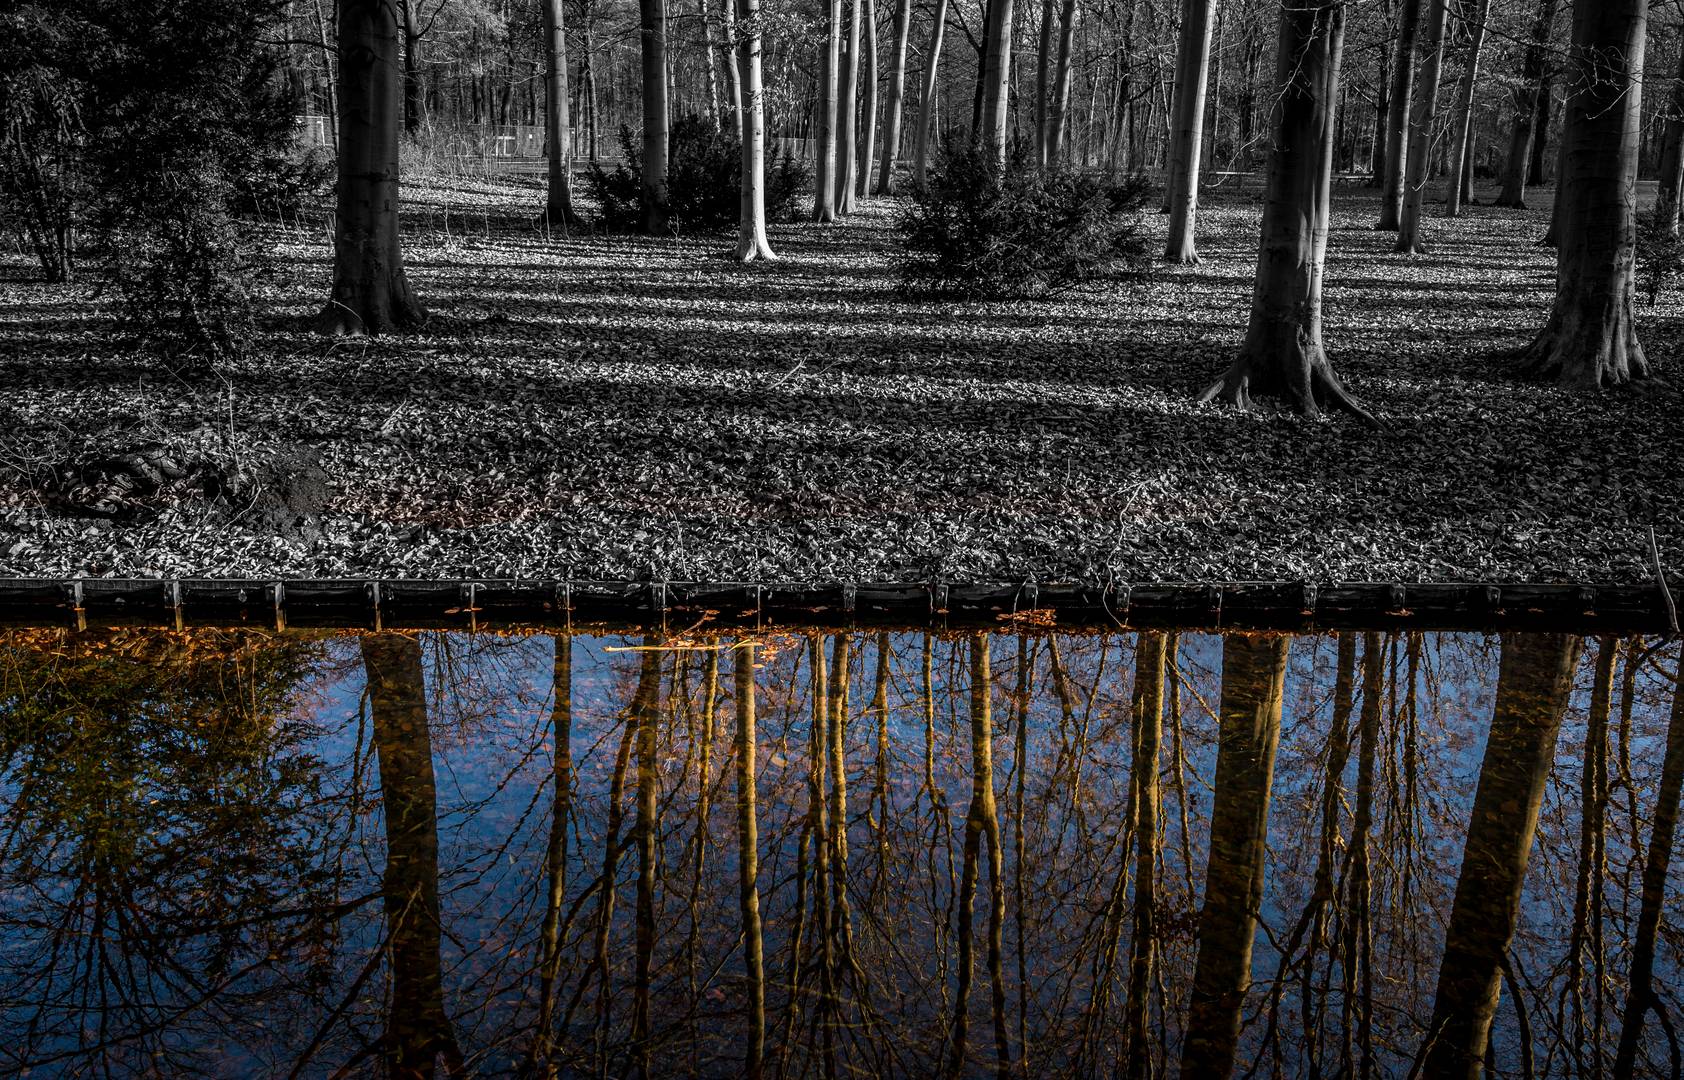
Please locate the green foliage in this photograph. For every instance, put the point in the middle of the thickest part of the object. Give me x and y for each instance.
(166, 122)
(980, 231)
(704, 179)
(1660, 254)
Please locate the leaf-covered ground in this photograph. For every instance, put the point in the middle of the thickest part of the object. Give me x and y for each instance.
(617, 407)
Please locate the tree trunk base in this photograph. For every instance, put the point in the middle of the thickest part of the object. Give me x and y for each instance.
(1297, 374)
(748, 250)
(398, 313)
(1586, 354)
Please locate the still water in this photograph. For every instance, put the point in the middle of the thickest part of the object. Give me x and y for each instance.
(231, 853)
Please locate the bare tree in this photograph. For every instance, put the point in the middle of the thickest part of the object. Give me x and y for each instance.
(751, 230)
(1590, 340)
(1283, 354)
(1192, 71)
(370, 293)
(1422, 114)
(652, 36)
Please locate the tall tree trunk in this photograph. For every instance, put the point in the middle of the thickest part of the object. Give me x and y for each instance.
(331, 83)
(418, 1031)
(411, 68)
(1283, 354)
(1672, 155)
(927, 98)
(748, 838)
(1461, 143)
(1526, 106)
(710, 45)
(1590, 340)
(825, 174)
(751, 231)
(896, 104)
(1534, 680)
(733, 71)
(370, 294)
(1640, 986)
(1058, 108)
(1143, 943)
(867, 126)
(1537, 168)
(652, 24)
(1253, 678)
(1423, 113)
(847, 109)
(1043, 84)
(558, 122)
(1382, 108)
(1397, 123)
(996, 78)
(1192, 70)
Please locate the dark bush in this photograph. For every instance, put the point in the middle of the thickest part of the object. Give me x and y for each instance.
(1660, 255)
(704, 178)
(165, 122)
(982, 231)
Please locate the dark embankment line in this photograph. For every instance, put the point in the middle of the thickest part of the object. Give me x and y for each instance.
(679, 606)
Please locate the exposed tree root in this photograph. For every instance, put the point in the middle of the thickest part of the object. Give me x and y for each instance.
(1305, 381)
(1575, 352)
(750, 248)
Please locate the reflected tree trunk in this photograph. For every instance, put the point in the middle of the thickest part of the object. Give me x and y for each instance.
(1357, 953)
(555, 855)
(1534, 679)
(1640, 987)
(1585, 942)
(646, 715)
(1253, 679)
(418, 1031)
(748, 865)
(1143, 783)
(982, 823)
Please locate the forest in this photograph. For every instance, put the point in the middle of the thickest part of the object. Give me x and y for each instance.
(805, 853)
(794, 290)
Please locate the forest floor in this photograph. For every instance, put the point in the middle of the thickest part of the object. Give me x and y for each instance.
(621, 408)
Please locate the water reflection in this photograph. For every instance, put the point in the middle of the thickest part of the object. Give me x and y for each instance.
(231, 853)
